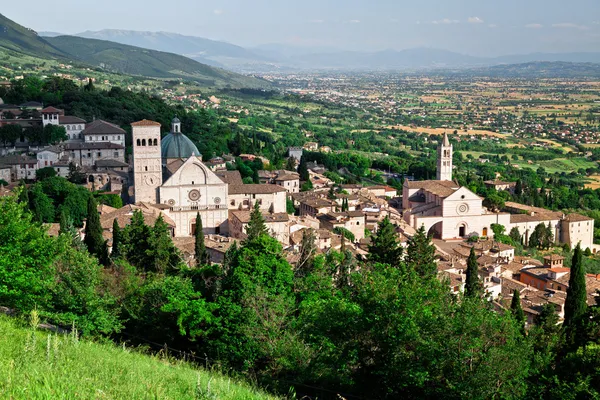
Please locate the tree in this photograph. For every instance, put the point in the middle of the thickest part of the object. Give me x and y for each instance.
(94, 240)
(164, 256)
(308, 250)
(137, 235)
(289, 206)
(290, 164)
(256, 226)
(10, 133)
(201, 255)
(420, 255)
(54, 134)
(117, 240)
(303, 170)
(576, 301)
(516, 309)
(515, 235)
(385, 247)
(40, 204)
(75, 175)
(473, 286)
(45, 173)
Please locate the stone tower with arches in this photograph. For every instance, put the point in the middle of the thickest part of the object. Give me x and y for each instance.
(444, 163)
(147, 165)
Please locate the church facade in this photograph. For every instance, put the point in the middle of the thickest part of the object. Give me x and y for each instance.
(449, 211)
(169, 173)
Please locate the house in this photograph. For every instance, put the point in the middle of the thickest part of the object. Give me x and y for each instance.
(88, 153)
(49, 156)
(277, 225)
(295, 152)
(353, 221)
(271, 198)
(102, 131)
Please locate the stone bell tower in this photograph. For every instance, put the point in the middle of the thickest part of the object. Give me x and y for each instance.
(444, 163)
(147, 165)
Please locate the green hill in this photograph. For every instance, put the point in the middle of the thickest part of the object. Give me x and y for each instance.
(113, 57)
(131, 60)
(15, 37)
(41, 365)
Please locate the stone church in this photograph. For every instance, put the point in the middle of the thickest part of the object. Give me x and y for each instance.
(445, 209)
(170, 174)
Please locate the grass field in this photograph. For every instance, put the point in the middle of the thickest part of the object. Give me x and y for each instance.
(441, 131)
(40, 365)
(567, 165)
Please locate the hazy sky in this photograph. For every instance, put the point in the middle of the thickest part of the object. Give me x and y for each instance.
(477, 27)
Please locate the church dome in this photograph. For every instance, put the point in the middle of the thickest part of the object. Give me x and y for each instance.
(177, 145)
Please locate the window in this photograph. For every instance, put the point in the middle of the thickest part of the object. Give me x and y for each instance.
(99, 154)
(146, 168)
(232, 202)
(116, 154)
(138, 142)
(143, 142)
(155, 142)
(89, 155)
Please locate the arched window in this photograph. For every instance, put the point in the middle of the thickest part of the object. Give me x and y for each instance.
(143, 142)
(146, 168)
(156, 142)
(138, 142)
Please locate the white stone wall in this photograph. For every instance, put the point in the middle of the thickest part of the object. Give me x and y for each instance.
(5, 174)
(265, 200)
(578, 232)
(527, 228)
(113, 138)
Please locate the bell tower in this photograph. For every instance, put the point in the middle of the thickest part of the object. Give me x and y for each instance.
(147, 166)
(444, 163)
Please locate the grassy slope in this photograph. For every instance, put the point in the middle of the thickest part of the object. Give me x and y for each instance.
(138, 61)
(18, 38)
(50, 366)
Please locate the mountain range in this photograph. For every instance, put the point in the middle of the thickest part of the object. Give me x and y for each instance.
(116, 57)
(282, 57)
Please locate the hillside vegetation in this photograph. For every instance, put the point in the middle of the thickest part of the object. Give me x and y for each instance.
(131, 60)
(23, 40)
(42, 365)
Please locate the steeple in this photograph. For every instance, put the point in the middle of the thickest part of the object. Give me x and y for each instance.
(444, 163)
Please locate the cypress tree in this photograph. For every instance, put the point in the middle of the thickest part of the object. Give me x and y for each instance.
(385, 247)
(420, 255)
(202, 257)
(94, 240)
(576, 302)
(117, 241)
(517, 310)
(308, 250)
(256, 226)
(164, 256)
(473, 287)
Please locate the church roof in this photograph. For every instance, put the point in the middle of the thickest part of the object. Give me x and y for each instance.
(145, 122)
(446, 140)
(439, 188)
(177, 145)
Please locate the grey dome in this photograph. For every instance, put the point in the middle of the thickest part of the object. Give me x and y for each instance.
(175, 120)
(177, 145)
(1, 101)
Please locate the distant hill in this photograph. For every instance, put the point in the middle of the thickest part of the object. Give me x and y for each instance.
(116, 57)
(130, 60)
(545, 69)
(17, 38)
(208, 51)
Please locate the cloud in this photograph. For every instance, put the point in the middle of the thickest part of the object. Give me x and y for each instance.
(475, 20)
(354, 21)
(534, 26)
(493, 25)
(218, 12)
(445, 21)
(569, 25)
(316, 21)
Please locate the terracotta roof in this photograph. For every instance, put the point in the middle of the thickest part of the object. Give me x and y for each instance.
(69, 119)
(123, 216)
(560, 269)
(439, 188)
(255, 189)
(51, 110)
(92, 146)
(110, 163)
(499, 183)
(577, 218)
(547, 216)
(145, 122)
(102, 127)
(230, 177)
(554, 257)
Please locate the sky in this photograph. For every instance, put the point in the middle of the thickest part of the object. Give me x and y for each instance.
(475, 27)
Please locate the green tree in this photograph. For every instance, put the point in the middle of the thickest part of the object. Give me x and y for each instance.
(385, 247)
(94, 240)
(308, 250)
(256, 226)
(473, 286)
(45, 173)
(137, 235)
(10, 133)
(40, 204)
(515, 235)
(420, 255)
(164, 256)
(117, 240)
(517, 310)
(576, 301)
(201, 255)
